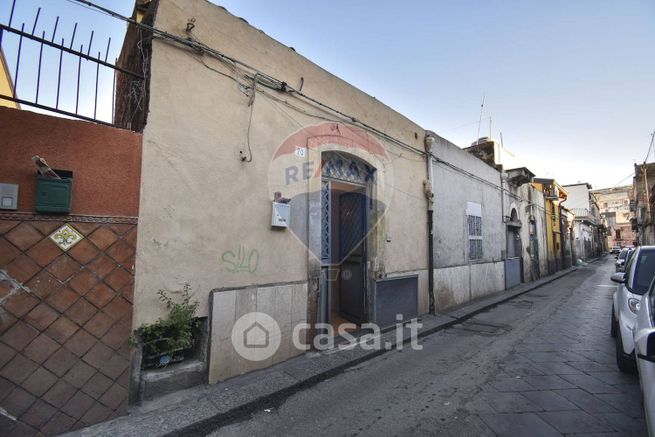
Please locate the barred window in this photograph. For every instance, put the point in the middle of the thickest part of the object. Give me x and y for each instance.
(474, 219)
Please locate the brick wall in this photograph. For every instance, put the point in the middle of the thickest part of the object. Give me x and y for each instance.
(65, 320)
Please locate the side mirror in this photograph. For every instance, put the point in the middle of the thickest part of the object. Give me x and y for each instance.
(618, 277)
(645, 344)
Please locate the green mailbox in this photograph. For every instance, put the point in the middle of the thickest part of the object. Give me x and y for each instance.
(54, 195)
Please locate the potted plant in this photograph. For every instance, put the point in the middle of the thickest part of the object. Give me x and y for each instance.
(169, 340)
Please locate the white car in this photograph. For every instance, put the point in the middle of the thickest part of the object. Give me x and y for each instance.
(633, 284)
(623, 258)
(644, 340)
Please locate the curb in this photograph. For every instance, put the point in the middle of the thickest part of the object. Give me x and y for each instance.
(238, 414)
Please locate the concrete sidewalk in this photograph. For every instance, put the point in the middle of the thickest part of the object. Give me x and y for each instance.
(190, 412)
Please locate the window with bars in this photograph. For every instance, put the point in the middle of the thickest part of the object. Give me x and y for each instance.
(475, 236)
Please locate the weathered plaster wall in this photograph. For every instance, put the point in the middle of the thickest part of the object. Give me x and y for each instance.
(452, 286)
(106, 162)
(529, 204)
(452, 191)
(457, 279)
(541, 228)
(578, 196)
(487, 278)
(202, 205)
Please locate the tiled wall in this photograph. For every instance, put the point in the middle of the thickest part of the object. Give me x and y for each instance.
(65, 320)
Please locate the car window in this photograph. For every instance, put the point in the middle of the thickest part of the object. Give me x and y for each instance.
(623, 254)
(644, 271)
(628, 272)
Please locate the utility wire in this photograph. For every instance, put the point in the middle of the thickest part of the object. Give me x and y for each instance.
(652, 137)
(266, 80)
(623, 180)
(273, 83)
(484, 181)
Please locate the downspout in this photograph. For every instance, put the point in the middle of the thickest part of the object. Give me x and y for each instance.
(429, 195)
(502, 210)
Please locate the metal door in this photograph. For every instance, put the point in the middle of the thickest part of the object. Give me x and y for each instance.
(352, 254)
(326, 253)
(513, 262)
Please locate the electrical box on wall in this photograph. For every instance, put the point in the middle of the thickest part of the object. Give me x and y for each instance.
(281, 215)
(8, 196)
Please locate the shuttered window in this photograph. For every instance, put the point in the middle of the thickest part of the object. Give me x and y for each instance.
(474, 219)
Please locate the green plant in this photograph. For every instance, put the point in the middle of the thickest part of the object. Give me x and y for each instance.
(166, 336)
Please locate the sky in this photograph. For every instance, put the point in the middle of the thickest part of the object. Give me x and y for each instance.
(569, 84)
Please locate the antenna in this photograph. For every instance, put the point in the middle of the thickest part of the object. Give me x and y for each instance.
(480, 121)
(652, 137)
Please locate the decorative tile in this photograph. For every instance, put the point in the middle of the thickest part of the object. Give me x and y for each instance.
(66, 237)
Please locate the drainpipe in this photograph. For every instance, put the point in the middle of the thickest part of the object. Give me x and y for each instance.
(429, 194)
(502, 208)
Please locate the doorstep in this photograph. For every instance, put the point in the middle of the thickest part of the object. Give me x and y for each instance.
(199, 410)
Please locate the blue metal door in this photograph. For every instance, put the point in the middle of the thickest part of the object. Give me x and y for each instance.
(352, 254)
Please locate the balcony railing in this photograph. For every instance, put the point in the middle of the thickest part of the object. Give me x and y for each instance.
(584, 214)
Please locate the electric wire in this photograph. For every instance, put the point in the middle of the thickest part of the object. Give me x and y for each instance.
(281, 86)
(650, 147)
(268, 81)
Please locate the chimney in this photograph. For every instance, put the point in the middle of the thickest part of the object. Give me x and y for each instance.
(485, 149)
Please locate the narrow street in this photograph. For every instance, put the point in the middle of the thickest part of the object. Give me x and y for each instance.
(539, 365)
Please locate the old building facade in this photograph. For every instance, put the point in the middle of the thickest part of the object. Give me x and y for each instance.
(554, 194)
(267, 185)
(589, 230)
(614, 206)
(642, 205)
(320, 152)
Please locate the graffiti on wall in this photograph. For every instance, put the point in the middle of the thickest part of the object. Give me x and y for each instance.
(244, 260)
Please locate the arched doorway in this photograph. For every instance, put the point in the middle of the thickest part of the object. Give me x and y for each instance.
(514, 260)
(346, 191)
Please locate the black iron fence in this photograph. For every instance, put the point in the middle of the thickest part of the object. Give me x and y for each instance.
(84, 70)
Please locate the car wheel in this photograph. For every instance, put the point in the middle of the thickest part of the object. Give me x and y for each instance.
(625, 364)
(614, 326)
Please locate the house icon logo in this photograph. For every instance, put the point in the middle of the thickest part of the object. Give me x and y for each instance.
(256, 336)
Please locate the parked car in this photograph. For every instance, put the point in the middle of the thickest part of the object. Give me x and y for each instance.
(632, 284)
(615, 250)
(644, 340)
(622, 259)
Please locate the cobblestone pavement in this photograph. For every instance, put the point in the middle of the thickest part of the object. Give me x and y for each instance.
(539, 365)
(562, 377)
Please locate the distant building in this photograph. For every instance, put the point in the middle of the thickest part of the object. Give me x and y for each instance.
(554, 195)
(642, 204)
(614, 205)
(588, 228)
(6, 84)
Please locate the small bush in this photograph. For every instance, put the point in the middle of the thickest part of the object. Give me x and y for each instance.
(166, 336)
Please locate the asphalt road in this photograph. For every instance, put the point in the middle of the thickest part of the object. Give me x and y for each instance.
(539, 365)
